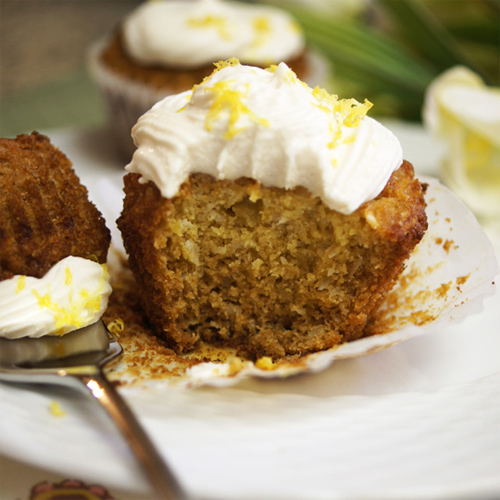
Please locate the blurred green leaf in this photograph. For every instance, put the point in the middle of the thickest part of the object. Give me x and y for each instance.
(394, 52)
(486, 32)
(426, 34)
(369, 58)
(364, 48)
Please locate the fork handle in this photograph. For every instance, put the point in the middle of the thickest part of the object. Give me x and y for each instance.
(160, 475)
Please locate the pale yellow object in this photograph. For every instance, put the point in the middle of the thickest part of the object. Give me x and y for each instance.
(460, 109)
(56, 410)
(265, 363)
(116, 327)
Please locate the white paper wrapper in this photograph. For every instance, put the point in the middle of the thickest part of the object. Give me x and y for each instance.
(126, 100)
(447, 278)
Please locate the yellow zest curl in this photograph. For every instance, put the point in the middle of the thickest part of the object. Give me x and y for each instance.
(56, 410)
(69, 277)
(228, 99)
(21, 283)
(352, 111)
(82, 303)
(262, 30)
(116, 327)
(233, 61)
(219, 23)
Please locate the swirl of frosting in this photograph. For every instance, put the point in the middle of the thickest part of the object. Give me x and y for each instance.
(190, 33)
(244, 121)
(72, 294)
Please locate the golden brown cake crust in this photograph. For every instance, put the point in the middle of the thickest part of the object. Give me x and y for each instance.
(271, 272)
(173, 79)
(45, 214)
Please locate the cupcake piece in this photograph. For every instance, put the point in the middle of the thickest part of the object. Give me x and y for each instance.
(266, 216)
(166, 47)
(53, 243)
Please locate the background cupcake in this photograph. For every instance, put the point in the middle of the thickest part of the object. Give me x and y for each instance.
(165, 47)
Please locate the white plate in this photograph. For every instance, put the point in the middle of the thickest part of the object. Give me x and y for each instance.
(419, 420)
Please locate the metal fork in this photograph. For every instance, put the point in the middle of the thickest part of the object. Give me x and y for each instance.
(77, 360)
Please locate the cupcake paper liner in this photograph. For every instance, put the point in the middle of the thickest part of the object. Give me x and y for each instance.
(125, 99)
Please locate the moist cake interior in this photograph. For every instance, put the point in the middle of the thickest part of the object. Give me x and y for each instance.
(272, 272)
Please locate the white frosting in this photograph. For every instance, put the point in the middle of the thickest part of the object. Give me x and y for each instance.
(190, 33)
(72, 294)
(244, 121)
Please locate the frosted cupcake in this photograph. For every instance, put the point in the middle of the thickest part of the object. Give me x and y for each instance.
(53, 243)
(266, 216)
(166, 47)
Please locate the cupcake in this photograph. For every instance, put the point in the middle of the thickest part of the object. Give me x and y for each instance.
(165, 47)
(53, 243)
(266, 216)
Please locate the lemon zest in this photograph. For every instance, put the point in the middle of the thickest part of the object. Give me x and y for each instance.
(69, 277)
(21, 284)
(228, 99)
(56, 410)
(63, 316)
(82, 305)
(352, 111)
(116, 327)
(323, 95)
(233, 61)
(219, 23)
(262, 30)
(346, 112)
(265, 363)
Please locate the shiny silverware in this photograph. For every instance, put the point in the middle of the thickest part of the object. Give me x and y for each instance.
(76, 360)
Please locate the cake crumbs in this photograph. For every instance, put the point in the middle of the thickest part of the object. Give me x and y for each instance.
(448, 244)
(148, 358)
(265, 363)
(442, 291)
